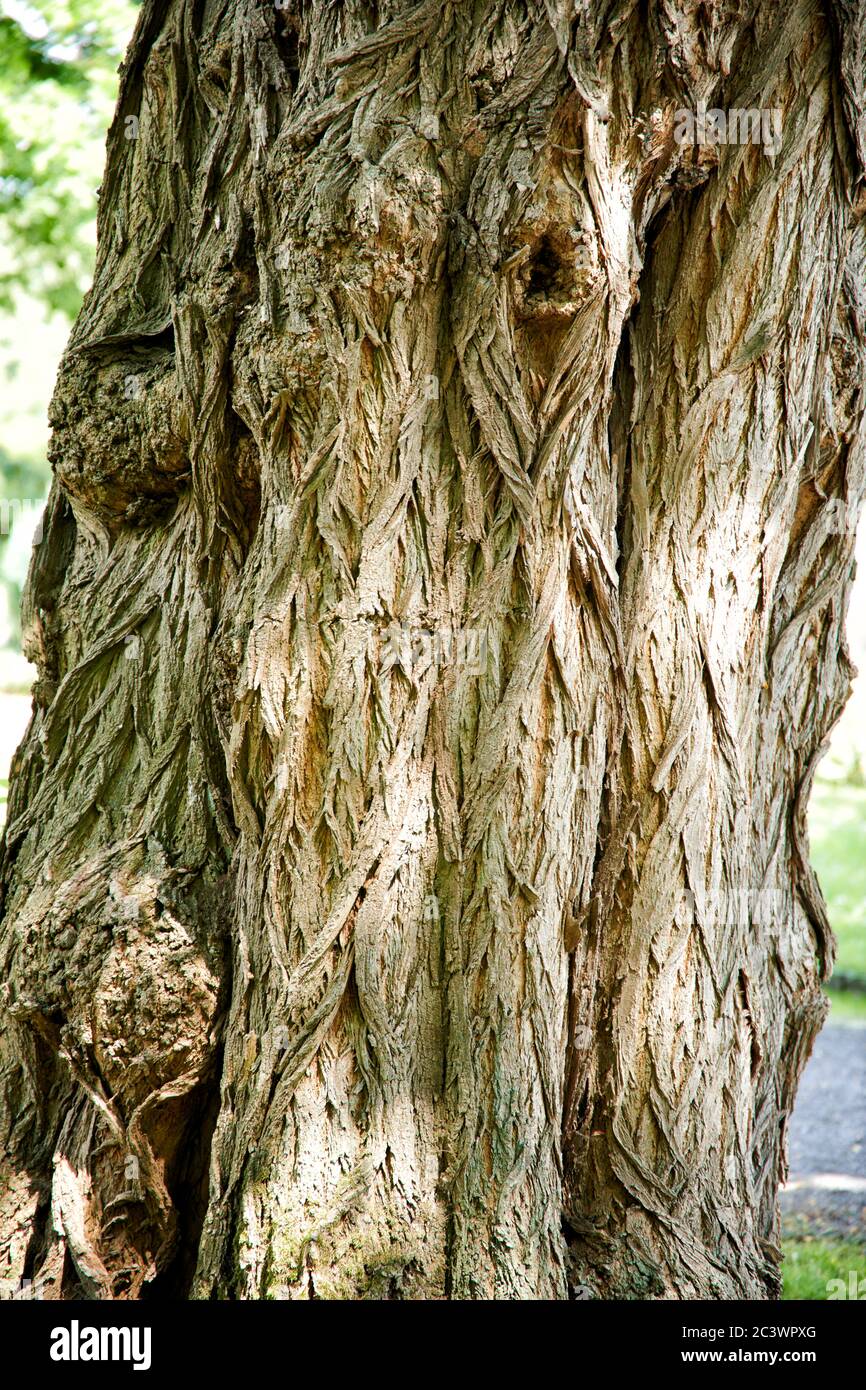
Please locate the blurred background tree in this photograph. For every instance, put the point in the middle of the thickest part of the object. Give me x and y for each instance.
(58, 84)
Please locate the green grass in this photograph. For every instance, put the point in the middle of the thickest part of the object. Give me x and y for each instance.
(810, 1262)
(847, 1006)
(837, 831)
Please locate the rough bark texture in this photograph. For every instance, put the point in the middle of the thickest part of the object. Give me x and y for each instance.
(338, 964)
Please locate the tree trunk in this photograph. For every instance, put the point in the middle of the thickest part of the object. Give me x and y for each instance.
(439, 619)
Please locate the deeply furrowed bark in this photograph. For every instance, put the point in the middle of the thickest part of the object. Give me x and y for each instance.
(339, 964)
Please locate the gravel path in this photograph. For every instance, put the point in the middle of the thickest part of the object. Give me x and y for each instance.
(827, 1146)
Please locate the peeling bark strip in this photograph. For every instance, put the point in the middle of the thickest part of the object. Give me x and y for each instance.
(344, 962)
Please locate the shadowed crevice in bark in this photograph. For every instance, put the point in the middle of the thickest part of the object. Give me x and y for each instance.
(188, 1185)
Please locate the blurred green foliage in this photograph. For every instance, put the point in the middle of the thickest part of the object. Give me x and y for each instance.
(58, 86)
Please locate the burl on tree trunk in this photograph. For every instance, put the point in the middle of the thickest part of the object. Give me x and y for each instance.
(439, 619)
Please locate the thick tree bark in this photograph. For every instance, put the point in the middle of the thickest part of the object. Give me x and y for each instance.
(439, 618)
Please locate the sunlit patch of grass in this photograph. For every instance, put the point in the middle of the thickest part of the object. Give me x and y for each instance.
(837, 832)
(809, 1263)
(847, 1006)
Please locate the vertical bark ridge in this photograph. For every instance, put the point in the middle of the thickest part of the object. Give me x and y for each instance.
(739, 479)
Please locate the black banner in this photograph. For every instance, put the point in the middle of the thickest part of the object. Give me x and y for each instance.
(87, 1341)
